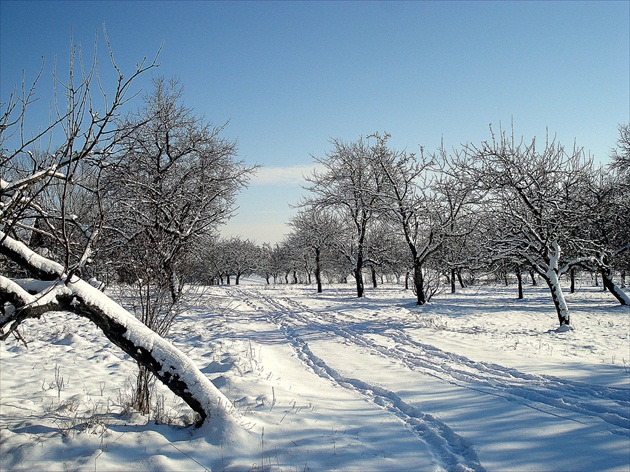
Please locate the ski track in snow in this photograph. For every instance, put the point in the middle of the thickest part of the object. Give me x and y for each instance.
(575, 401)
(452, 451)
(609, 404)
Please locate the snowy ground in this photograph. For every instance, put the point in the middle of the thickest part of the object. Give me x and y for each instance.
(474, 381)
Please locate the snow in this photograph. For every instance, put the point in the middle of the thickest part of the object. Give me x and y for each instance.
(473, 381)
(166, 354)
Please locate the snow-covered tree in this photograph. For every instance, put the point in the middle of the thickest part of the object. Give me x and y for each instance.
(315, 229)
(349, 184)
(85, 133)
(621, 153)
(423, 201)
(240, 257)
(174, 180)
(608, 226)
(532, 197)
(273, 261)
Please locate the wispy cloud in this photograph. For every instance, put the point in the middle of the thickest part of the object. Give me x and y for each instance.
(292, 175)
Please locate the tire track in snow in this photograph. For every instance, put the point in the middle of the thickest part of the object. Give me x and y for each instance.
(450, 450)
(542, 392)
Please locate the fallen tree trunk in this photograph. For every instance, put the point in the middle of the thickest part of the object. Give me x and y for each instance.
(169, 364)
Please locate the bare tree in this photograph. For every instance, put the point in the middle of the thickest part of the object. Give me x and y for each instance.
(532, 198)
(239, 257)
(315, 229)
(349, 185)
(91, 134)
(424, 202)
(175, 181)
(607, 224)
(274, 261)
(621, 153)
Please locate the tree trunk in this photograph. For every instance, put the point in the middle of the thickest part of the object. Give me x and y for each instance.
(141, 399)
(358, 276)
(558, 300)
(418, 281)
(452, 280)
(572, 277)
(519, 279)
(318, 270)
(374, 281)
(460, 278)
(156, 354)
(237, 279)
(612, 287)
(553, 281)
(532, 274)
(228, 279)
(407, 281)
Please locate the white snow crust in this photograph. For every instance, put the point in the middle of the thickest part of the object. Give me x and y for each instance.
(473, 381)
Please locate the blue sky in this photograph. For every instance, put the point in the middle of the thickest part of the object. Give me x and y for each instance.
(288, 76)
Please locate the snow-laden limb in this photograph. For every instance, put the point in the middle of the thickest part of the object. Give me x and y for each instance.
(17, 304)
(161, 357)
(39, 266)
(8, 187)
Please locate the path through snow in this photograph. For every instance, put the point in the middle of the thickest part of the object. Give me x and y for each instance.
(473, 381)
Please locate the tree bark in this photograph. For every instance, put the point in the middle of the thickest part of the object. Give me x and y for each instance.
(318, 270)
(558, 300)
(453, 290)
(142, 395)
(358, 275)
(612, 287)
(374, 281)
(418, 281)
(553, 281)
(519, 279)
